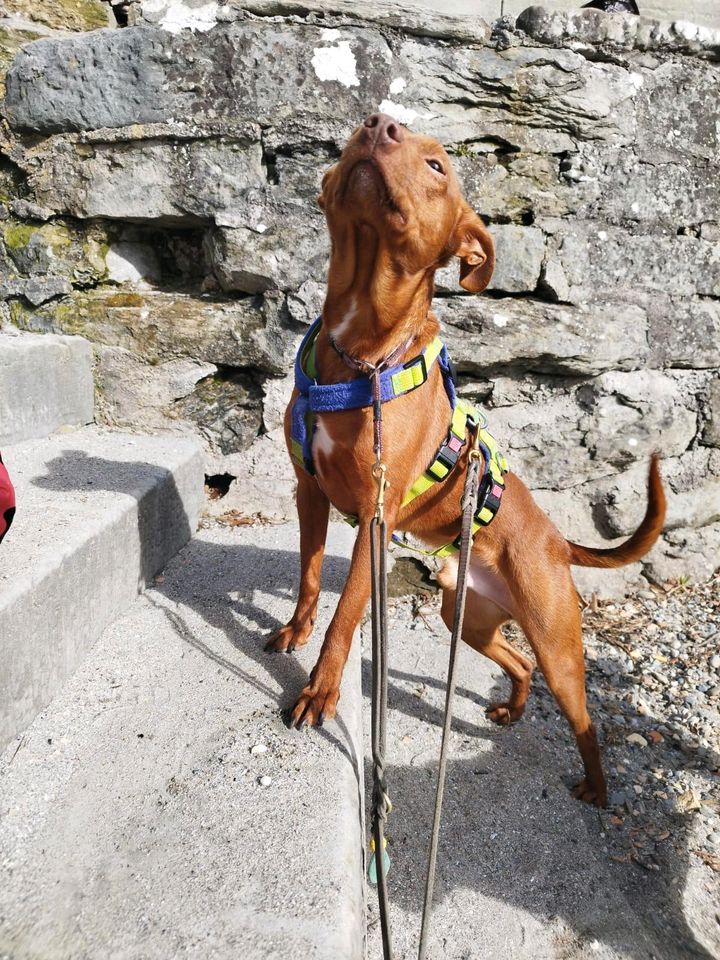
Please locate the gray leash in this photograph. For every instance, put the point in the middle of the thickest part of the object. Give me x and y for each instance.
(381, 805)
(378, 567)
(469, 505)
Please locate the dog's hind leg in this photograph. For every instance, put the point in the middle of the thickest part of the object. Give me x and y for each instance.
(554, 631)
(481, 631)
(313, 512)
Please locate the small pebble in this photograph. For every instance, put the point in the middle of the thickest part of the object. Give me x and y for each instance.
(265, 781)
(637, 739)
(258, 748)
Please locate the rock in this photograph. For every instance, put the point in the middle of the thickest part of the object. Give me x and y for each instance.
(554, 282)
(247, 332)
(268, 486)
(305, 304)
(628, 32)
(132, 263)
(246, 71)
(634, 414)
(688, 801)
(685, 552)
(284, 254)
(130, 390)
(226, 408)
(61, 14)
(38, 290)
(491, 335)
(464, 28)
(598, 260)
(684, 332)
(519, 253)
(636, 739)
(162, 175)
(27, 210)
(711, 433)
(276, 396)
(59, 248)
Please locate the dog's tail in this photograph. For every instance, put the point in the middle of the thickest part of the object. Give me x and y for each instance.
(640, 542)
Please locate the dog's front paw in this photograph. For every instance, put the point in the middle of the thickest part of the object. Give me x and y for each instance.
(315, 705)
(290, 636)
(588, 793)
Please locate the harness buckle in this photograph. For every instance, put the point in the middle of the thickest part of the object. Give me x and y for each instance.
(448, 456)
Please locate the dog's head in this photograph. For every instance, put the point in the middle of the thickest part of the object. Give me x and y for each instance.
(402, 186)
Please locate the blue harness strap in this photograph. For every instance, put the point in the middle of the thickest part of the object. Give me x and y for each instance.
(314, 397)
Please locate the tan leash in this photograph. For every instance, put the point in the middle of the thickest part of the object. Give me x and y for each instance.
(381, 805)
(469, 505)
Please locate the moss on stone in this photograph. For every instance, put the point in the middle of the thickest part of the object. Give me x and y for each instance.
(17, 235)
(18, 314)
(80, 315)
(125, 300)
(61, 14)
(95, 252)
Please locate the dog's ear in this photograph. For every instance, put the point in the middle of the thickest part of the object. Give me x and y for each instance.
(326, 177)
(476, 250)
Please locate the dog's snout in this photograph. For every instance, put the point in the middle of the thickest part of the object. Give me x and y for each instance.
(380, 128)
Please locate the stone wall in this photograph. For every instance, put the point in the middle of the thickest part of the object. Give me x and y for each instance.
(157, 188)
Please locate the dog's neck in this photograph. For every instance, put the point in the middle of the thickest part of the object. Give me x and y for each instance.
(373, 305)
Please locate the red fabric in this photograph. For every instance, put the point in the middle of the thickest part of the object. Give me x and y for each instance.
(7, 500)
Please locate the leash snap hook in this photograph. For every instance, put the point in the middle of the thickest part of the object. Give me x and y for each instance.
(475, 452)
(379, 471)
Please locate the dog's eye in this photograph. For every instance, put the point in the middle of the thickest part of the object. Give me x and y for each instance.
(435, 165)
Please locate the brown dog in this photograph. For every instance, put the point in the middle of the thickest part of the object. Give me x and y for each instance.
(395, 214)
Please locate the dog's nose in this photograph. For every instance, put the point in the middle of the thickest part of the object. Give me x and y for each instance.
(383, 129)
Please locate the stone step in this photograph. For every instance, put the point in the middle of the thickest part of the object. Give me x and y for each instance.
(136, 818)
(98, 513)
(46, 382)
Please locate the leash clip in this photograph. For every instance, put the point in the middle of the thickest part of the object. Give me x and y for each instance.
(475, 453)
(379, 469)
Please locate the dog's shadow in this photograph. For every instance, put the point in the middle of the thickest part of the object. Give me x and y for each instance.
(512, 832)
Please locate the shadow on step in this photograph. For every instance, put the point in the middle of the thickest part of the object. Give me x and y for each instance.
(233, 588)
(162, 523)
(512, 832)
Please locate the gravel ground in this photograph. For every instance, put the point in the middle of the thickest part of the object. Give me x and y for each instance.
(649, 866)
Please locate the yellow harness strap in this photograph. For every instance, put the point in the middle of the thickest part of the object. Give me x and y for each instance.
(494, 481)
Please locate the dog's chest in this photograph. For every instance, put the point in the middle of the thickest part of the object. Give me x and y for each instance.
(339, 457)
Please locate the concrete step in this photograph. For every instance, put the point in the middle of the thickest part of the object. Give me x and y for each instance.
(46, 382)
(135, 823)
(98, 513)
